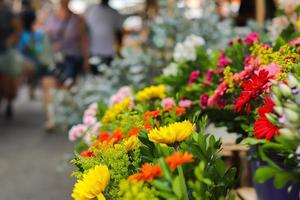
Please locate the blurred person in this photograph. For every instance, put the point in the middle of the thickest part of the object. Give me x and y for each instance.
(105, 30)
(35, 48)
(67, 34)
(12, 65)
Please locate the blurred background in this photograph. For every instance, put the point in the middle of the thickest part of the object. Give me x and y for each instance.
(58, 56)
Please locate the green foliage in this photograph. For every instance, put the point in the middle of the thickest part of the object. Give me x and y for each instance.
(138, 190)
(117, 160)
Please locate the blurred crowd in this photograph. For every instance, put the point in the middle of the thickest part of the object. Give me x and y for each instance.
(53, 47)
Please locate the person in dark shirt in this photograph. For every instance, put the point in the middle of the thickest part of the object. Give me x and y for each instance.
(12, 64)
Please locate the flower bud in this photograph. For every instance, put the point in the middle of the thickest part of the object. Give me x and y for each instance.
(272, 118)
(287, 133)
(292, 80)
(276, 91)
(291, 106)
(285, 90)
(276, 100)
(278, 110)
(291, 115)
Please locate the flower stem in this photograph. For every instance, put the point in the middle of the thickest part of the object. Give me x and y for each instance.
(182, 183)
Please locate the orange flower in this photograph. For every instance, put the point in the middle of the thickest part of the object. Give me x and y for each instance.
(178, 158)
(87, 154)
(180, 111)
(134, 131)
(116, 136)
(147, 173)
(151, 114)
(103, 136)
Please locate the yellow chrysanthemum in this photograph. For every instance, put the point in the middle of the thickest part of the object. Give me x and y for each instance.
(92, 184)
(151, 93)
(131, 143)
(172, 133)
(111, 114)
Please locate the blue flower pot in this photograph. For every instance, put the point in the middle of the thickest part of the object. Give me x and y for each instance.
(267, 191)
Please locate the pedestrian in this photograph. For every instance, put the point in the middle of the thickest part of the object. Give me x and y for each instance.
(67, 33)
(12, 64)
(105, 31)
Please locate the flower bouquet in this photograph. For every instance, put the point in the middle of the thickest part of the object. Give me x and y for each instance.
(144, 147)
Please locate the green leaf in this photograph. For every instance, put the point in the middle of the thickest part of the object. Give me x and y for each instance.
(220, 167)
(253, 141)
(281, 179)
(264, 173)
(176, 187)
(165, 169)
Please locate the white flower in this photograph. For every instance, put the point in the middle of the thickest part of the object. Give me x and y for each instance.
(184, 52)
(171, 70)
(195, 40)
(288, 6)
(277, 26)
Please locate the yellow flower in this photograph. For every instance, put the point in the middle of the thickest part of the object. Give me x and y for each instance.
(111, 114)
(92, 184)
(228, 78)
(151, 93)
(131, 143)
(172, 133)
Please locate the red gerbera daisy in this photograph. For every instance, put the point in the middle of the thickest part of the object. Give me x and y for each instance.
(263, 128)
(254, 87)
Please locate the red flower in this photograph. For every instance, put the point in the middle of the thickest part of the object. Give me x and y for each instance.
(116, 136)
(87, 154)
(263, 128)
(147, 173)
(254, 87)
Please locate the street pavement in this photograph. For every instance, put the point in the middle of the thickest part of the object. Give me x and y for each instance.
(34, 165)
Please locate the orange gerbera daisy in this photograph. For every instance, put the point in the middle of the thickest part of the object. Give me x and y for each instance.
(103, 136)
(147, 173)
(116, 137)
(180, 111)
(178, 158)
(134, 131)
(152, 114)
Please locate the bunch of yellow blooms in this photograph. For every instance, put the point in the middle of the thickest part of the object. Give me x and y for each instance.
(172, 133)
(92, 184)
(111, 114)
(151, 93)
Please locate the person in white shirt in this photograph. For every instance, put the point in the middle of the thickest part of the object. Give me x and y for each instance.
(105, 30)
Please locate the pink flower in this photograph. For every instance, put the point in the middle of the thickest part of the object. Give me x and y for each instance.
(230, 43)
(273, 69)
(239, 39)
(194, 76)
(204, 100)
(168, 102)
(209, 76)
(90, 112)
(93, 106)
(122, 94)
(77, 132)
(96, 127)
(223, 61)
(89, 120)
(219, 92)
(295, 42)
(185, 103)
(251, 38)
